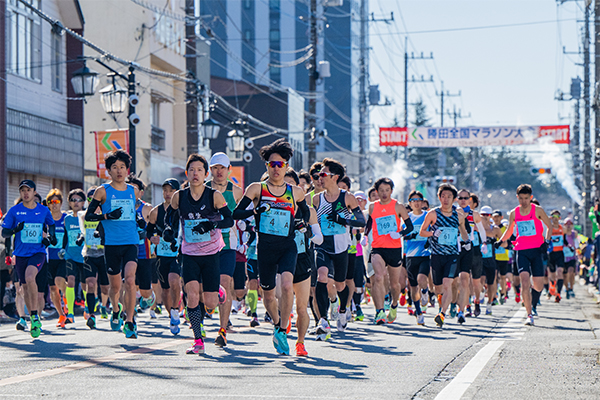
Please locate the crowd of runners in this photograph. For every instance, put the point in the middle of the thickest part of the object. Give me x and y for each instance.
(303, 243)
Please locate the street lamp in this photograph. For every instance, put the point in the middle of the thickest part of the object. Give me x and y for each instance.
(210, 129)
(235, 140)
(84, 81)
(113, 98)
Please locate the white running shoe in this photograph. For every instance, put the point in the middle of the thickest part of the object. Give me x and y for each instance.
(420, 319)
(348, 315)
(529, 320)
(424, 298)
(334, 309)
(323, 328)
(153, 314)
(342, 322)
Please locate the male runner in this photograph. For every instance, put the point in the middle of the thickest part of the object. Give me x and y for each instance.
(57, 267)
(117, 201)
(528, 218)
(502, 258)
(493, 233)
(556, 258)
(571, 244)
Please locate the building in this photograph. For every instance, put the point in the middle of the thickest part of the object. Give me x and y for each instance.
(41, 135)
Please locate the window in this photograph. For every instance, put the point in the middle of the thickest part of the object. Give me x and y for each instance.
(155, 113)
(248, 4)
(56, 62)
(274, 5)
(275, 74)
(274, 35)
(248, 35)
(158, 135)
(24, 40)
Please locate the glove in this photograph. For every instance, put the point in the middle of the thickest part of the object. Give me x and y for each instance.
(19, 227)
(300, 225)
(242, 225)
(395, 235)
(61, 254)
(335, 217)
(466, 246)
(363, 241)
(544, 246)
(411, 236)
(80, 239)
(262, 209)
(141, 222)
(168, 234)
(245, 237)
(498, 244)
(115, 214)
(204, 227)
(49, 240)
(96, 234)
(174, 246)
(437, 233)
(8, 260)
(484, 249)
(242, 249)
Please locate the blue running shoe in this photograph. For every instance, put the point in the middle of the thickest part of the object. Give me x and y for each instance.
(174, 326)
(117, 320)
(21, 324)
(130, 330)
(91, 322)
(280, 341)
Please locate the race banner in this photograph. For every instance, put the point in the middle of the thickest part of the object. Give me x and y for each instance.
(473, 136)
(107, 141)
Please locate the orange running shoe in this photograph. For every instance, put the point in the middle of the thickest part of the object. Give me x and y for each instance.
(301, 350)
(552, 289)
(289, 327)
(439, 296)
(61, 321)
(403, 299)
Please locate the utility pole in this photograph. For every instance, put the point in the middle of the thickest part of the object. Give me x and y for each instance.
(363, 104)
(406, 80)
(191, 89)
(587, 151)
(597, 97)
(131, 111)
(447, 94)
(576, 157)
(312, 87)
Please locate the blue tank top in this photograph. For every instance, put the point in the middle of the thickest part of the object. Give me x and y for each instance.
(144, 243)
(122, 231)
(60, 234)
(72, 231)
(416, 247)
(447, 242)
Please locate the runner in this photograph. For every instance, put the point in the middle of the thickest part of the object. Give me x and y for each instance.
(571, 244)
(385, 222)
(27, 221)
(359, 263)
(202, 212)
(527, 218)
(117, 201)
(168, 269)
(446, 222)
(502, 258)
(57, 266)
(220, 168)
(493, 233)
(275, 205)
(556, 258)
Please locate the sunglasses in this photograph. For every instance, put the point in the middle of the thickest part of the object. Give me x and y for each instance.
(556, 216)
(464, 198)
(325, 174)
(54, 201)
(486, 215)
(278, 164)
(412, 200)
(315, 176)
(78, 200)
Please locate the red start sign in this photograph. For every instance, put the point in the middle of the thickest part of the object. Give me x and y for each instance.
(394, 136)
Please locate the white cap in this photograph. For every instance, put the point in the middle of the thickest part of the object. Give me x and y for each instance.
(486, 210)
(220, 159)
(360, 195)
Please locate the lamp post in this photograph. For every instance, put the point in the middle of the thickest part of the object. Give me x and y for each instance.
(210, 129)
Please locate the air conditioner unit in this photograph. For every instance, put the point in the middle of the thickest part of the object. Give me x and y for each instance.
(324, 69)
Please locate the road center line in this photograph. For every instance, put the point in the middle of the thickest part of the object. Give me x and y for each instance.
(465, 378)
(89, 363)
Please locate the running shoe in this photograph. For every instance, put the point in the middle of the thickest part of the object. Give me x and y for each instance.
(502, 299)
(334, 309)
(289, 325)
(360, 316)
(70, 319)
(158, 309)
(21, 324)
(348, 315)
(557, 298)
(403, 299)
(153, 314)
(301, 350)
(196, 348)
(568, 294)
(439, 299)
(424, 309)
(452, 310)
(387, 302)
(410, 310)
(534, 311)
(174, 322)
(103, 312)
(488, 309)
(529, 320)
(380, 318)
(268, 317)
(323, 337)
(342, 321)
(221, 339)
(280, 341)
(79, 303)
(424, 298)
(91, 322)
(36, 326)
(147, 303)
(439, 319)
(61, 321)
(254, 322)
(468, 314)
(392, 314)
(495, 302)
(552, 290)
(420, 319)
(572, 293)
(117, 319)
(202, 331)
(130, 330)
(432, 298)
(323, 327)
(461, 318)
(86, 313)
(477, 310)
(518, 298)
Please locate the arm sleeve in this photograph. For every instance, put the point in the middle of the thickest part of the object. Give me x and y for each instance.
(481, 230)
(9, 221)
(409, 227)
(90, 214)
(359, 222)
(240, 211)
(369, 226)
(227, 221)
(304, 211)
(317, 237)
(172, 219)
(65, 241)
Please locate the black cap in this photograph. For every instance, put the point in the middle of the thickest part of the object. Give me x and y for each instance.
(174, 183)
(497, 212)
(91, 192)
(27, 182)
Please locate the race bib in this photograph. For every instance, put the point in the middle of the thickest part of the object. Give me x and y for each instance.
(59, 241)
(251, 252)
(300, 240)
(128, 208)
(330, 228)
(194, 237)
(475, 238)
(32, 233)
(91, 241)
(386, 225)
(489, 253)
(163, 249)
(419, 238)
(275, 222)
(558, 241)
(526, 228)
(568, 252)
(449, 236)
(73, 238)
(500, 250)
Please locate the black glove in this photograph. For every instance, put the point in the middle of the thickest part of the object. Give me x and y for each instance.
(498, 244)
(141, 222)
(491, 240)
(168, 234)
(426, 244)
(335, 217)
(544, 246)
(96, 234)
(49, 240)
(115, 214)
(174, 246)
(466, 246)
(264, 208)
(204, 227)
(411, 236)
(19, 227)
(80, 239)
(300, 225)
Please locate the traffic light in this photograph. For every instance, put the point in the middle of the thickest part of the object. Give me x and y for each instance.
(536, 171)
(445, 179)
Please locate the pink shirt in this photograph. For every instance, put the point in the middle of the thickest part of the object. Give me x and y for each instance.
(529, 230)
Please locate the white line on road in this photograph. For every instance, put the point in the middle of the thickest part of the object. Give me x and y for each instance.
(513, 329)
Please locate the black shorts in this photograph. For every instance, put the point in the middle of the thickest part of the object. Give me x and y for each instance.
(336, 264)
(75, 269)
(276, 259)
(88, 271)
(359, 271)
(143, 274)
(570, 264)
(465, 261)
(477, 266)
(502, 267)
(38, 260)
(489, 268)
(166, 266)
(154, 262)
(116, 257)
(416, 266)
(227, 262)
(556, 259)
(252, 269)
(530, 261)
(443, 266)
(303, 268)
(41, 279)
(391, 257)
(351, 266)
(239, 276)
(203, 269)
(56, 268)
(97, 264)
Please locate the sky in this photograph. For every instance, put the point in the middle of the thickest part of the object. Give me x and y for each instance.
(506, 75)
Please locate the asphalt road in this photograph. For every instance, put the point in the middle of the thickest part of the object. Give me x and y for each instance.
(490, 357)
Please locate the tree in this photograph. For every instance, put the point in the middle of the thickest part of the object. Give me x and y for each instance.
(421, 118)
(423, 160)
